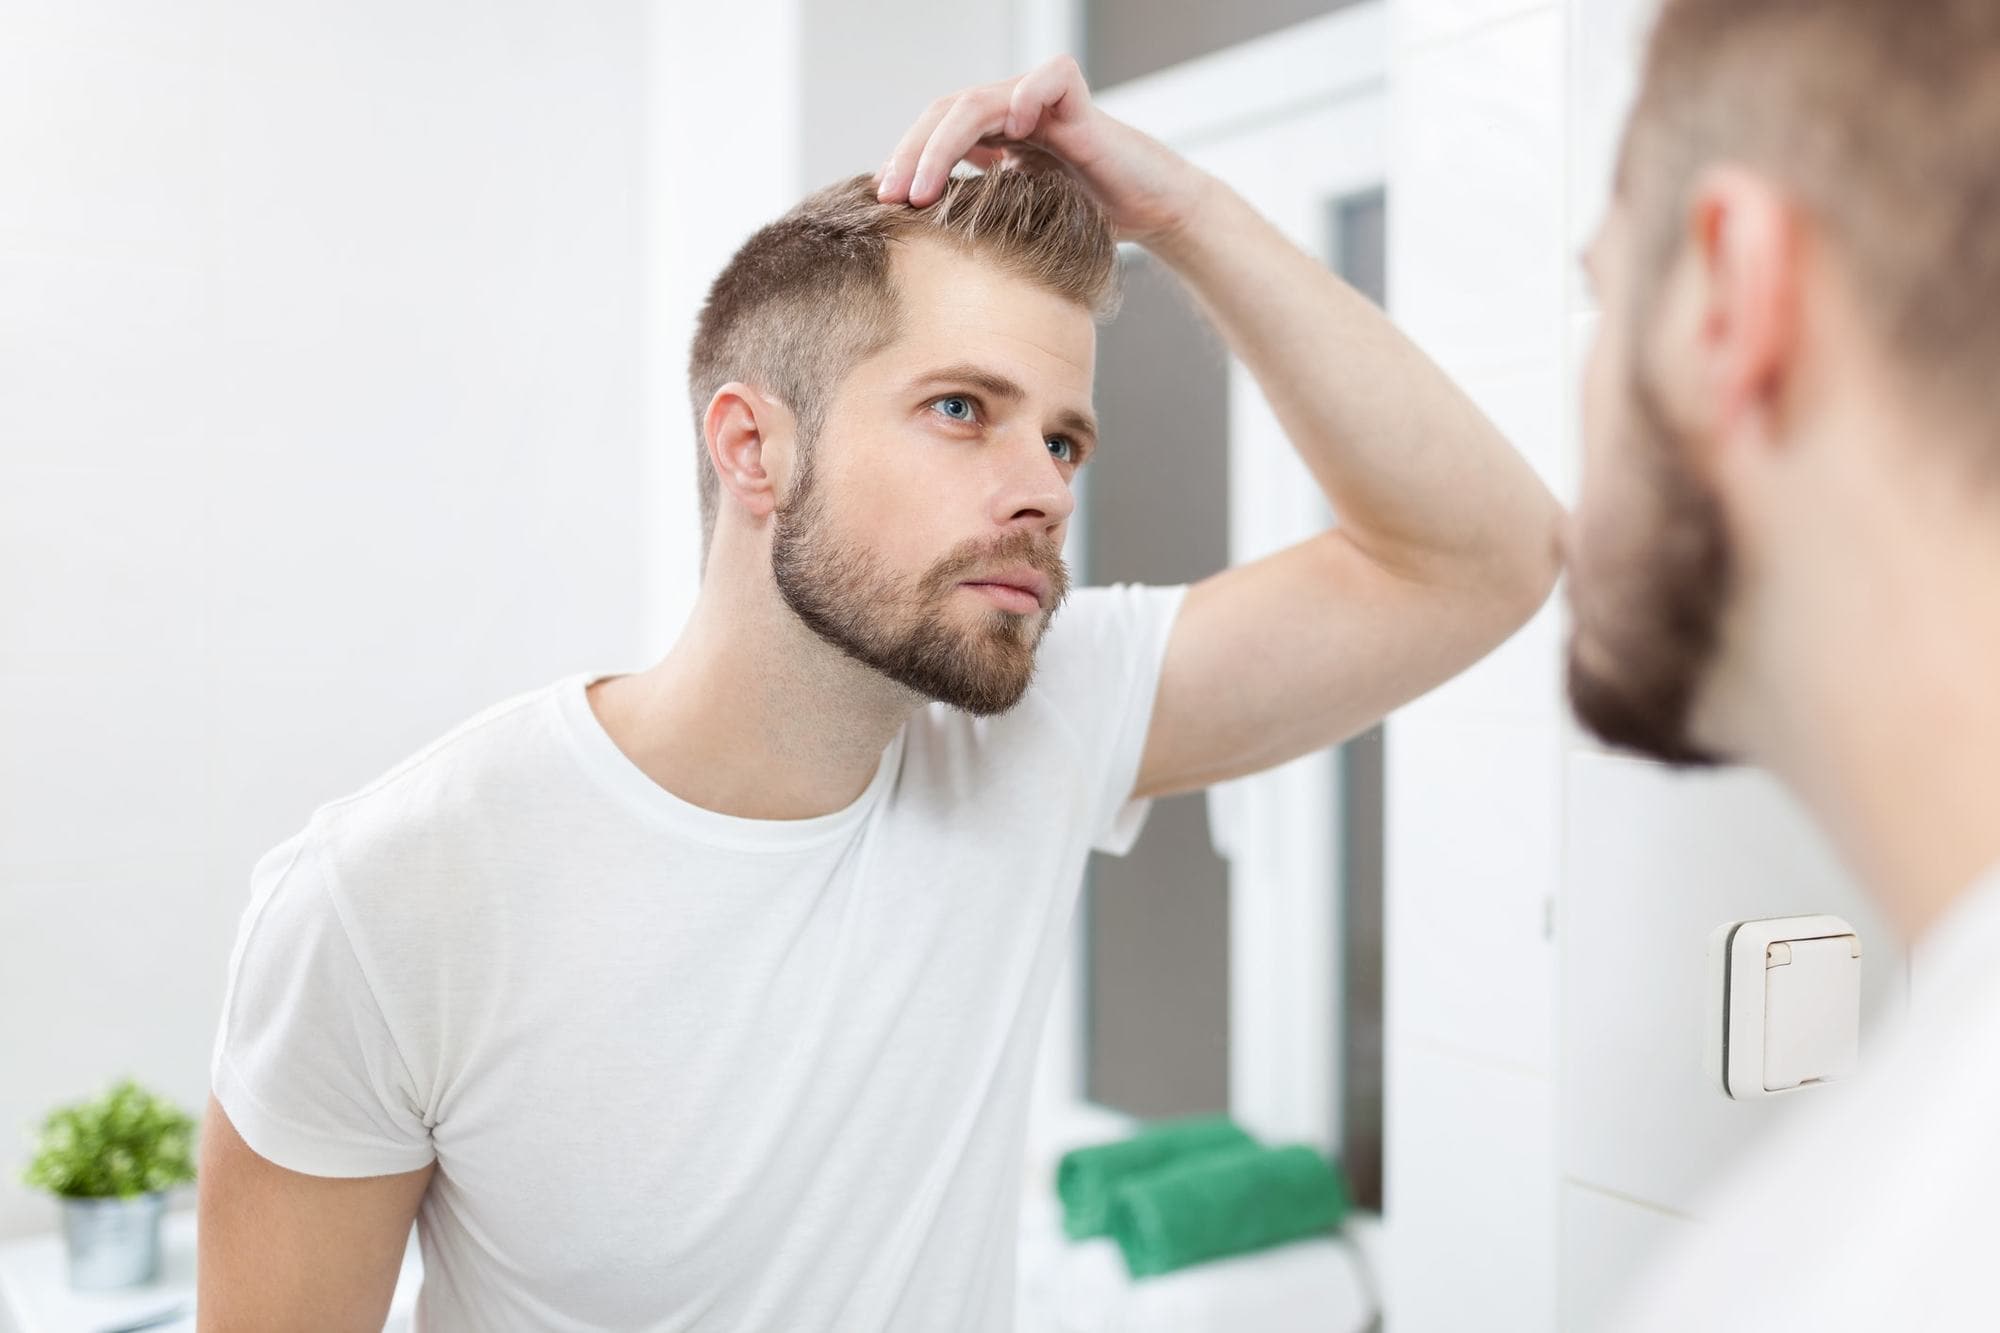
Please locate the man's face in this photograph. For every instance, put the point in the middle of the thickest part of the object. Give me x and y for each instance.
(1649, 557)
(924, 536)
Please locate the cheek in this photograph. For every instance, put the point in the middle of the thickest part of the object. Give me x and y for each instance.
(895, 523)
(904, 469)
(870, 483)
(907, 494)
(1600, 422)
(1608, 512)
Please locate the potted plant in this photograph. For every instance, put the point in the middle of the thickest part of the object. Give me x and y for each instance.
(111, 1162)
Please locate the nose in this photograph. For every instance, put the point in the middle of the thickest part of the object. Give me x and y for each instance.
(1035, 492)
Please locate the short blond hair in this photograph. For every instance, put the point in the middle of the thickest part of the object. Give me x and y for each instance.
(812, 295)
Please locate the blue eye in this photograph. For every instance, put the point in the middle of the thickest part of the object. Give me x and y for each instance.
(1061, 442)
(957, 407)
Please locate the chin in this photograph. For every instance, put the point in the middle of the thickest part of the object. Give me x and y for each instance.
(1713, 729)
(1631, 704)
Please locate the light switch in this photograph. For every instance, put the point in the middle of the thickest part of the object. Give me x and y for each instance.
(1784, 1004)
(1812, 1010)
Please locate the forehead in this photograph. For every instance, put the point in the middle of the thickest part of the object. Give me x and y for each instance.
(952, 305)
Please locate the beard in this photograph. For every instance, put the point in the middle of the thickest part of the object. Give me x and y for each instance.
(1645, 640)
(902, 627)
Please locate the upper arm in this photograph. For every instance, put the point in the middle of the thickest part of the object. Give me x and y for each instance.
(1295, 652)
(281, 1251)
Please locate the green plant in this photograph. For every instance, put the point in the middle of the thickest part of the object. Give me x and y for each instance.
(124, 1143)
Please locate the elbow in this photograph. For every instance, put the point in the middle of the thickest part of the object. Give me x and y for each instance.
(1546, 562)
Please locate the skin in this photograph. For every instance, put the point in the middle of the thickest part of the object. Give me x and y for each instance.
(1855, 646)
(1447, 544)
(283, 1252)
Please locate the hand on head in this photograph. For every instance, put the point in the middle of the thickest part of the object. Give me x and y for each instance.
(1045, 118)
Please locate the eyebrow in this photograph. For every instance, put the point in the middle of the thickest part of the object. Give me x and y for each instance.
(999, 386)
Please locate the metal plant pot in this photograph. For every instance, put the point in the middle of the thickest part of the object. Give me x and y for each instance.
(113, 1242)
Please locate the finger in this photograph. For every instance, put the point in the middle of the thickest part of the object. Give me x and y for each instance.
(893, 186)
(973, 117)
(986, 156)
(1051, 84)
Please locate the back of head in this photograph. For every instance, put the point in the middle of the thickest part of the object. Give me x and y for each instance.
(811, 295)
(1882, 117)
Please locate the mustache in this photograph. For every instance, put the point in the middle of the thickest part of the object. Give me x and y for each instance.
(1019, 548)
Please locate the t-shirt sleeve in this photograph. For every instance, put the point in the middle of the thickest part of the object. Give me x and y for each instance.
(305, 1064)
(1101, 665)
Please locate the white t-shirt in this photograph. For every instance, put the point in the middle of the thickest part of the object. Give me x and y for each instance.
(1881, 1208)
(680, 1069)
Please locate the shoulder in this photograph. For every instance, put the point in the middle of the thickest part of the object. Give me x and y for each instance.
(1097, 661)
(430, 812)
(1102, 654)
(490, 734)
(1105, 625)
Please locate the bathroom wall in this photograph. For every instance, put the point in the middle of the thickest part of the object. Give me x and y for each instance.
(320, 429)
(1549, 1123)
(724, 100)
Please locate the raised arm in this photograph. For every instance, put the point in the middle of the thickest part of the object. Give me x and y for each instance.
(1446, 541)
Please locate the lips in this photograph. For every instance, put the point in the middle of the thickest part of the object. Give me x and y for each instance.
(1021, 580)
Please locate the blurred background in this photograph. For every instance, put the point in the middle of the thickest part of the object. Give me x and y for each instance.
(341, 394)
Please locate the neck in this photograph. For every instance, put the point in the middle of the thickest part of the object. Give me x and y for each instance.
(751, 714)
(1910, 791)
(1881, 711)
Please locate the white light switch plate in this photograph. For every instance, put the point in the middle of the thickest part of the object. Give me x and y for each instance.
(1784, 1004)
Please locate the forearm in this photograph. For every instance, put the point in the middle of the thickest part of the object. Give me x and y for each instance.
(1421, 481)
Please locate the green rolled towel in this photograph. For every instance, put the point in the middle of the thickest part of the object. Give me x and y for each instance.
(1229, 1201)
(1086, 1176)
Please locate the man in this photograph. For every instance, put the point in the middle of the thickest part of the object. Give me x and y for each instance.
(1788, 553)
(708, 995)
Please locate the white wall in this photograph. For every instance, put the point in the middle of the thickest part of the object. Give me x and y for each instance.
(320, 411)
(723, 106)
(1549, 1123)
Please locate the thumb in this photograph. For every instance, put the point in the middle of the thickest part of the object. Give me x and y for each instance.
(1051, 86)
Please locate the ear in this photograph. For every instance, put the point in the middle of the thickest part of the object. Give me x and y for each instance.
(1745, 250)
(749, 437)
